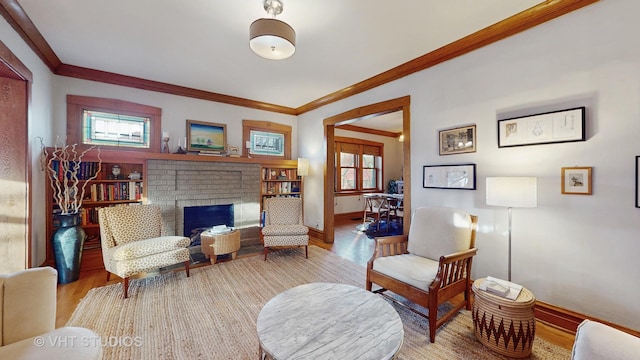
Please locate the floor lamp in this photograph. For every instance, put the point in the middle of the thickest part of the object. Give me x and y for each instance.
(512, 192)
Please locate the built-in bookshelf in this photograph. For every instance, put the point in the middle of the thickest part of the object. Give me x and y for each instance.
(125, 185)
(279, 181)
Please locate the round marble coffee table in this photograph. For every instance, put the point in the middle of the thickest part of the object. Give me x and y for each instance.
(329, 321)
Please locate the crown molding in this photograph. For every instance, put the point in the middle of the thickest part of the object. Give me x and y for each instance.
(548, 10)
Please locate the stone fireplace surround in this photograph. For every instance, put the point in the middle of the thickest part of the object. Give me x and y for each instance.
(174, 184)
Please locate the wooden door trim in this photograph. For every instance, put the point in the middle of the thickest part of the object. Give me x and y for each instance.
(399, 104)
(11, 67)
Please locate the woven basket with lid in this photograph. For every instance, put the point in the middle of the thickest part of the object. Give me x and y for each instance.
(505, 326)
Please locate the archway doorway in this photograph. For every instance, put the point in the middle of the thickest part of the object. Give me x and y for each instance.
(329, 124)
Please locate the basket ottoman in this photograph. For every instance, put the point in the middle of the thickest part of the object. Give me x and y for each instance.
(213, 245)
(505, 326)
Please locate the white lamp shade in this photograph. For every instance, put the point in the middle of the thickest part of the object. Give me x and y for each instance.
(272, 39)
(512, 191)
(303, 167)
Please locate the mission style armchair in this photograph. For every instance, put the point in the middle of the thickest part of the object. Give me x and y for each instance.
(430, 265)
(133, 241)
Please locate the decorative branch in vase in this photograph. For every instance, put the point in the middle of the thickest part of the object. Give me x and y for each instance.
(63, 167)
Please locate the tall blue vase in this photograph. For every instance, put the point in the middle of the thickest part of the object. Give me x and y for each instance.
(68, 241)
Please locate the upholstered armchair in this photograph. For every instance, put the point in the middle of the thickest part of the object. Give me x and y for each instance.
(28, 320)
(430, 265)
(283, 225)
(133, 241)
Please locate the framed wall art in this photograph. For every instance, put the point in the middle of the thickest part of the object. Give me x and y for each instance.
(576, 180)
(546, 128)
(266, 139)
(638, 181)
(206, 136)
(457, 140)
(462, 176)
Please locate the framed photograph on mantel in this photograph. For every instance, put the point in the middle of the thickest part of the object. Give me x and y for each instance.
(576, 180)
(462, 176)
(546, 128)
(457, 140)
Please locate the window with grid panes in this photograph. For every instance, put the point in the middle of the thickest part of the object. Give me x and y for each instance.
(359, 165)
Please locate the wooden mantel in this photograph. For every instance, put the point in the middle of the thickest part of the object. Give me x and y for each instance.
(109, 155)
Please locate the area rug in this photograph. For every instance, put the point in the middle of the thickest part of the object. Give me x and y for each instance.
(213, 313)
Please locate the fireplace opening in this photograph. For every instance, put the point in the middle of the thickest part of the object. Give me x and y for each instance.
(200, 218)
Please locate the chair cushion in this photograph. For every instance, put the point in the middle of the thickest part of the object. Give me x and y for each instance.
(141, 248)
(133, 222)
(279, 230)
(411, 269)
(126, 268)
(290, 240)
(595, 340)
(284, 211)
(67, 343)
(438, 231)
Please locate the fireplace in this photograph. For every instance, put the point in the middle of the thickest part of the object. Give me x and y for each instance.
(200, 218)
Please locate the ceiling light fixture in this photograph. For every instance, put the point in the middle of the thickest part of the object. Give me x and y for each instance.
(271, 38)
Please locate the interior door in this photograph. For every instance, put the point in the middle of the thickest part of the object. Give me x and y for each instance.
(14, 246)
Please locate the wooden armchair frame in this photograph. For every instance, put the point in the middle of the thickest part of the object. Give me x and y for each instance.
(453, 277)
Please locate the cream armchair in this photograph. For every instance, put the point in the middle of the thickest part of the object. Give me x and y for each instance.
(283, 224)
(429, 266)
(28, 319)
(133, 241)
(597, 341)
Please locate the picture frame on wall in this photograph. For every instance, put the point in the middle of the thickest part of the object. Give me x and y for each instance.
(206, 137)
(576, 180)
(638, 181)
(459, 176)
(545, 128)
(457, 140)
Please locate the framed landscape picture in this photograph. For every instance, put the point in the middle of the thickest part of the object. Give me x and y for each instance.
(458, 140)
(546, 128)
(462, 176)
(205, 136)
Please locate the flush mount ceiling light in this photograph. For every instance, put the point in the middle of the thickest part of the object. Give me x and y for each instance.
(271, 38)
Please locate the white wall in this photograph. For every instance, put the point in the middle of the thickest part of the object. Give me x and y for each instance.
(39, 126)
(578, 252)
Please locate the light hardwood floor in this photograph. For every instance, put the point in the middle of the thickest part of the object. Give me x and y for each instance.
(348, 244)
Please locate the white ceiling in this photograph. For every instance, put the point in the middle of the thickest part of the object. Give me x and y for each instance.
(203, 44)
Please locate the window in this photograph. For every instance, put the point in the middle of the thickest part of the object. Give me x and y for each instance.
(113, 123)
(359, 165)
(266, 139)
(101, 128)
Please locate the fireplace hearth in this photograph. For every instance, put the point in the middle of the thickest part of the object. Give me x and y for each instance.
(200, 218)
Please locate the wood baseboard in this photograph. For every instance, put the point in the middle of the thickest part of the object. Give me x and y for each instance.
(569, 320)
(350, 215)
(316, 234)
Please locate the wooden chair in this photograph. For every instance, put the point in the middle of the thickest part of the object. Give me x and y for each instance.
(376, 208)
(430, 265)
